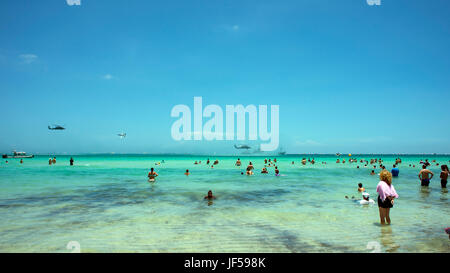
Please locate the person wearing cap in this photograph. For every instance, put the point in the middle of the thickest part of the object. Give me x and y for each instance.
(366, 199)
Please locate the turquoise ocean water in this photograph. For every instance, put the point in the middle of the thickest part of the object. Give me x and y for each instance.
(106, 204)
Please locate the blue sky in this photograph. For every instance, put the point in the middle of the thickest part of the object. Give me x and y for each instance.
(348, 77)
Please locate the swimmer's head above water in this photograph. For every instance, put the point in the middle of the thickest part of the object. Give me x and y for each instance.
(210, 195)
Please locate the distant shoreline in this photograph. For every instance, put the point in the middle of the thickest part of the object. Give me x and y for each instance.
(239, 155)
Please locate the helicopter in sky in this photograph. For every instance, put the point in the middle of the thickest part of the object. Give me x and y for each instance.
(56, 127)
(241, 147)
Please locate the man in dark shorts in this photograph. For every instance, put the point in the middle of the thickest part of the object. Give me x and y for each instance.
(425, 176)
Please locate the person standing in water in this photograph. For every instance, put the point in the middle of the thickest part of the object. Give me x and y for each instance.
(395, 171)
(444, 176)
(49, 161)
(187, 173)
(386, 195)
(425, 176)
(238, 162)
(249, 170)
(152, 175)
(71, 161)
(54, 160)
(210, 196)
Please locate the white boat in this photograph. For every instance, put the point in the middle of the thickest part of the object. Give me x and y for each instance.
(18, 155)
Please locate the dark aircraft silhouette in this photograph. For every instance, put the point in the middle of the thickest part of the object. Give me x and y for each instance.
(56, 127)
(246, 147)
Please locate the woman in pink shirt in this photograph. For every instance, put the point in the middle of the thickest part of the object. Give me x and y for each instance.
(386, 195)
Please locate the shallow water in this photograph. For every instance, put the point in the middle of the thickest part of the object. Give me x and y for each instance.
(106, 204)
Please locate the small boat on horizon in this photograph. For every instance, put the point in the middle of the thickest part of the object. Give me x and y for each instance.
(18, 155)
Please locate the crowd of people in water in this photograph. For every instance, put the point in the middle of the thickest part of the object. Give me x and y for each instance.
(385, 189)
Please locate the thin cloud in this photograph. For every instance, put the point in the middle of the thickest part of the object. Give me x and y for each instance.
(308, 142)
(28, 58)
(108, 77)
(228, 28)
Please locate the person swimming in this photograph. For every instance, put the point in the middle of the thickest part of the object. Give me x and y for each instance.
(372, 173)
(264, 170)
(210, 196)
(187, 173)
(366, 199)
(361, 188)
(152, 175)
(216, 162)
